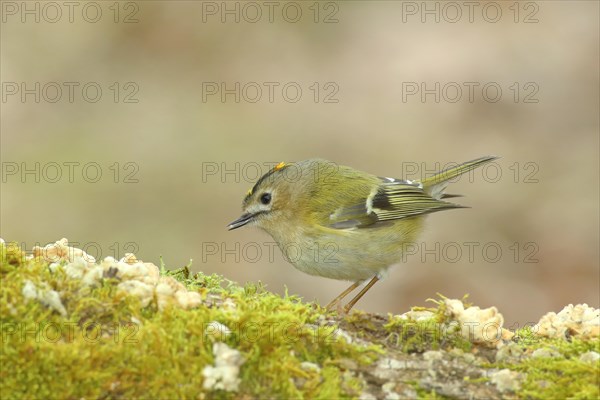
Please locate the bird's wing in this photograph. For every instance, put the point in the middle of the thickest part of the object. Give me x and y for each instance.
(394, 199)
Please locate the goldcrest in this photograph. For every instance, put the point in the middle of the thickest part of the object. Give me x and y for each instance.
(337, 222)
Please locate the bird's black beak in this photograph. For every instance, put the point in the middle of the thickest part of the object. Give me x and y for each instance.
(241, 221)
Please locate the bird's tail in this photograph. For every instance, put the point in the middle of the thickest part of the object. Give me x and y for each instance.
(436, 184)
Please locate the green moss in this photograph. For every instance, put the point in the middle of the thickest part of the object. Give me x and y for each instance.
(109, 346)
(563, 377)
(429, 334)
(12, 256)
(420, 336)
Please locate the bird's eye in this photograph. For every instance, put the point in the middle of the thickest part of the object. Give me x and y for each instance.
(265, 198)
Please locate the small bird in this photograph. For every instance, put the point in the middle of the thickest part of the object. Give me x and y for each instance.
(336, 222)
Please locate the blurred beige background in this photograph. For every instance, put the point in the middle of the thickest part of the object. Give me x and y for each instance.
(159, 130)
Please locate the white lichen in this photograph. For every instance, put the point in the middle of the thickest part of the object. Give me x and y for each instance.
(389, 390)
(165, 291)
(76, 269)
(581, 321)
(418, 315)
(93, 276)
(591, 357)
(481, 326)
(143, 291)
(309, 366)
(61, 251)
(187, 299)
(511, 353)
(433, 355)
(367, 396)
(136, 278)
(48, 297)
(224, 375)
(54, 266)
(29, 290)
(342, 334)
(506, 380)
(545, 352)
(229, 304)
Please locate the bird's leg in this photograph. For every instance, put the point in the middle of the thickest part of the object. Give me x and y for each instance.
(345, 293)
(361, 293)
